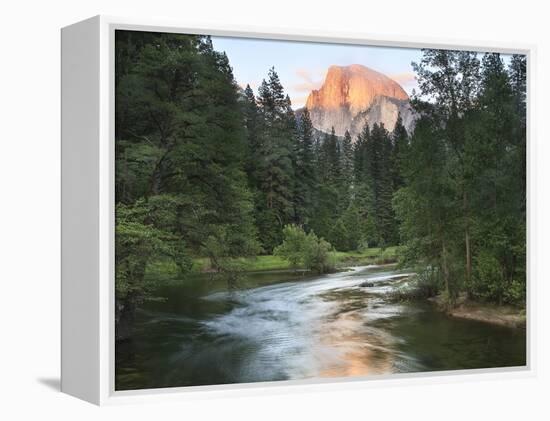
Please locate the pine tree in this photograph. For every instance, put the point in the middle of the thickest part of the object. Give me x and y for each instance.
(331, 156)
(462, 206)
(378, 158)
(494, 174)
(426, 206)
(518, 80)
(346, 165)
(305, 175)
(274, 205)
(251, 116)
(451, 101)
(360, 155)
(400, 142)
(362, 200)
(327, 206)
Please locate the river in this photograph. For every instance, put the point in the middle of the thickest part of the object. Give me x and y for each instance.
(285, 326)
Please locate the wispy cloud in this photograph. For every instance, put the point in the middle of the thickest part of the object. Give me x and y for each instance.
(304, 74)
(405, 79)
(309, 80)
(306, 86)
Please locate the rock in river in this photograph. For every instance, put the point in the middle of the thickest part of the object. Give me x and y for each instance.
(367, 284)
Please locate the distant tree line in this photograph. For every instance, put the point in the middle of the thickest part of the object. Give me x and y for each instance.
(207, 169)
(339, 189)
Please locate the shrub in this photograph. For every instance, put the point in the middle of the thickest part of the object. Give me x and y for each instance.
(515, 293)
(487, 279)
(292, 247)
(317, 254)
(387, 256)
(425, 284)
(308, 250)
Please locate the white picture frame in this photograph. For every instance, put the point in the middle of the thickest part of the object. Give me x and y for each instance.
(87, 323)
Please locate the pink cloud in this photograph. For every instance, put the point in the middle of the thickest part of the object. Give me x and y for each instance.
(404, 79)
(310, 80)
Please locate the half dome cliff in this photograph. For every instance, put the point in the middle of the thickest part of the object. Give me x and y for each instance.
(354, 95)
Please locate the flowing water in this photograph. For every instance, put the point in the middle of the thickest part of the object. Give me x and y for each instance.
(284, 326)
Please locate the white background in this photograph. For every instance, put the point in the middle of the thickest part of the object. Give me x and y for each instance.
(30, 194)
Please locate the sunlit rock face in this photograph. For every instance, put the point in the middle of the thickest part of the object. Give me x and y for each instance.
(353, 95)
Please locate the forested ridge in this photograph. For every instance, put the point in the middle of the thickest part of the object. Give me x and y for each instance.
(207, 169)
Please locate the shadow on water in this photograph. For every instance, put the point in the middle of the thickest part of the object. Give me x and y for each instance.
(284, 325)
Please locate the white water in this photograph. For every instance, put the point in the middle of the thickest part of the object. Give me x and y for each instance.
(313, 328)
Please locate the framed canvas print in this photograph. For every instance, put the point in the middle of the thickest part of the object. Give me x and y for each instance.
(245, 209)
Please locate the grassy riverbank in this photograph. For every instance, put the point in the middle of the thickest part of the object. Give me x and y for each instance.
(375, 255)
(368, 256)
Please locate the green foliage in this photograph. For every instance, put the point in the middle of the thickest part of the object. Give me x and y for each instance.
(462, 205)
(292, 247)
(515, 292)
(139, 242)
(306, 250)
(340, 236)
(347, 159)
(318, 254)
(373, 184)
(379, 149)
(304, 169)
(368, 256)
(425, 284)
(499, 269)
(488, 277)
(400, 144)
(274, 161)
(386, 256)
(330, 159)
(181, 189)
(142, 236)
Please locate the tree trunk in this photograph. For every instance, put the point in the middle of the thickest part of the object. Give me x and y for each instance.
(158, 172)
(445, 270)
(467, 242)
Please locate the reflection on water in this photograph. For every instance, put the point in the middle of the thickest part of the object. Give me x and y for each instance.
(283, 326)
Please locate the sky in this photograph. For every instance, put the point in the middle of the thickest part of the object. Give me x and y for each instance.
(302, 66)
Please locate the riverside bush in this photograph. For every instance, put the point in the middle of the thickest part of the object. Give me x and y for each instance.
(306, 250)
